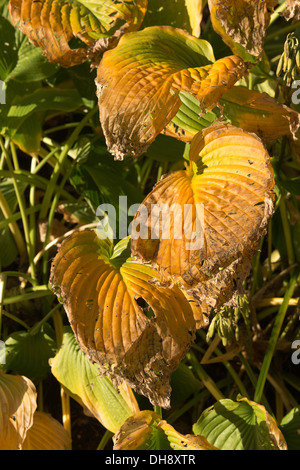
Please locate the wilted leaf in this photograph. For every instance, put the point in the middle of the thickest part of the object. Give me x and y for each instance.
(18, 404)
(139, 83)
(292, 10)
(242, 24)
(85, 384)
(147, 431)
(131, 328)
(218, 211)
(240, 425)
(51, 25)
(46, 433)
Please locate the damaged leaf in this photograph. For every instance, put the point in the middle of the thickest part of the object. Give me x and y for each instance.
(254, 112)
(18, 404)
(139, 83)
(218, 210)
(242, 24)
(292, 10)
(52, 24)
(133, 329)
(147, 431)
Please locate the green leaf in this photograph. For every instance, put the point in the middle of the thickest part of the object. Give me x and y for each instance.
(290, 427)
(292, 185)
(184, 384)
(28, 354)
(241, 425)
(86, 385)
(9, 53)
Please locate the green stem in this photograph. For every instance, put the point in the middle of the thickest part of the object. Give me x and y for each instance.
(38, 325)
(2, 290)
(158, 410)
(27, 296)
(275, 14)
(13, 226)
(274, 337)
(287, 231)
(287, 29)
(60, 163)
(105, 438)
(16, 319)
(22, 207)
(204, 377)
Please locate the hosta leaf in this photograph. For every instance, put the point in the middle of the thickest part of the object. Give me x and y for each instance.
(242, 24)
(83, 382)
(186, 14)
(218, 209)
(132, 328)
(28, 354)
(290, 428)
(46, 433)
(292, 10)
(52, 24)
(147, 431)
(139, 83)
(18, 404)
(252, 111)
(241, 425)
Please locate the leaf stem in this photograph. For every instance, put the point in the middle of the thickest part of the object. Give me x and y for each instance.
(274, 336)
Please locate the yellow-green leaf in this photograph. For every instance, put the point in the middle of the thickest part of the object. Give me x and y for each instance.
(139, 83)
(52, 24)
(46, 433)
(134, 330)
(147, 431)
(18, 404)
(95, 392)
(221, 206)
(242, 24)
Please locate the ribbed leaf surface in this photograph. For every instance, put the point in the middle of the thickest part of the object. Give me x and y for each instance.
(221, 206)
(51, 24)
(132, 328)
(139, 83)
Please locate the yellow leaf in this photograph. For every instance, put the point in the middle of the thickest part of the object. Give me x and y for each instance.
(46, 433)
(18, 404)
(139, 83)
(52, 24)
(221, 207)
(242, 24)
(194, 8)
(147, 431)
(134, 330)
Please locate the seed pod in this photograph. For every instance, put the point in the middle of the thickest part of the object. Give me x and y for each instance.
(279, 66)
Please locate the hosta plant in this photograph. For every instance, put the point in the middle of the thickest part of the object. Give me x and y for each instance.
(150, 216)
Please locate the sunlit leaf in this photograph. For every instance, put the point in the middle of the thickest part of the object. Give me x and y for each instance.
(18, 404)
(240, 425)
(292, 10)
(46, 433)
(52, 24)
(133, 329)
(139, 83)
(252, 111)
(242, 24)
(86, 385)
(185, 14)
(219, 209)
(147, 431)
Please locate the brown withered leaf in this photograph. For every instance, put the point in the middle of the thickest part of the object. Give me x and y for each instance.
(242, 24)
(147, 431)
(139, 81)
(51, 24)
(18, 404)
(292, 10)
(218, 208)
(132, 328)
